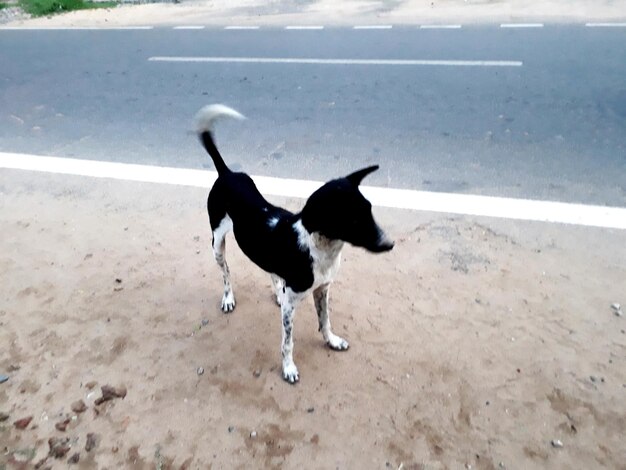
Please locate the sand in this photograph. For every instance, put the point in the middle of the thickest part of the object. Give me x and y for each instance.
(340, 13)
(474, 343)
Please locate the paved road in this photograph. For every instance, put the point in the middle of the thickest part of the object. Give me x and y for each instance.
(553, 128)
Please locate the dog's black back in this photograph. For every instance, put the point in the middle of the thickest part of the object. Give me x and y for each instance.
(264, 232)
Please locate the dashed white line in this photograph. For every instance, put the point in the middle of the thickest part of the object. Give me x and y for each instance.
(304, 27)
(75, 28)
(605, 25)
(282, 60)
(189, 27)
(521, 25)
(373, 26)
(487, 206)
(240, 27)
(440, 26)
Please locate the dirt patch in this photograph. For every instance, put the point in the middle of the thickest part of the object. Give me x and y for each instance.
(477, 359)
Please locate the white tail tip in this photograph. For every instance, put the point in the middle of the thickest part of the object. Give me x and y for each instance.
(206, 117)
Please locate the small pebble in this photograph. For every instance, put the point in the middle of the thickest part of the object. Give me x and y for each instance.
(23, 423)
(92, 442)
(78, 406)
(200, 370)
(205, 322)
(616, 306)
(3, 416)
(592, 378)
(556, 443)
(310, 410)
(3, 378)
(501, 464)
(74, 458)
(257, 373)
(231, 428)
(253, 434)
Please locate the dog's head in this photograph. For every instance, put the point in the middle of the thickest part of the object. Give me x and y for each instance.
(339, 211)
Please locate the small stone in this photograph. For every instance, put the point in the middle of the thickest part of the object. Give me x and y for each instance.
(231, 428)
(114, 449)
(616, 306)
(257, 373)
(118, 281)
(23, 423)
(91, 384)
(592, 378)
(74, 458)
(556, 443)
(3, 416)
(501, 464)
(59, 446)
(92, 442)
(13, 368)
(62, 425)
(205, 322)
(108, 393)
(253, 434)
(200, 370)
(3, 378)
(79, 406)
(197, 252)
(310, 410)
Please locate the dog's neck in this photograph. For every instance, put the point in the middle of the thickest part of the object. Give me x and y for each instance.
(321, 248)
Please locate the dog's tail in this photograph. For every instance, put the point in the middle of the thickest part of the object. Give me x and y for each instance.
(205, 120)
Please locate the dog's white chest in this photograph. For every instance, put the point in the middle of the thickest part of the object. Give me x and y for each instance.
(325, 254)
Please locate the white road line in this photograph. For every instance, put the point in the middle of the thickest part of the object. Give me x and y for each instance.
(304, 27)
(499, 207)
(74, 28)
(241, 27)
(191, 26)
(521, 25)
(605, 25)
(278, 60)
(373, 26)
(440, 26)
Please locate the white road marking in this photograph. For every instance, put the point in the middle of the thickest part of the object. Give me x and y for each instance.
(464, 204)
(241, 27)
(373, 26)
(191, 26)
(605, 25)
(304, 27)
(281, 60)
(521, 25)
(74, 28)
(440, 26)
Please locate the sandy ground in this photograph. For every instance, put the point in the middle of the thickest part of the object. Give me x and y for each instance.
(344, 12)
(474, 343)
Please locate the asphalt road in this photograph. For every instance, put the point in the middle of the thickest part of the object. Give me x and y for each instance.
(553, 128)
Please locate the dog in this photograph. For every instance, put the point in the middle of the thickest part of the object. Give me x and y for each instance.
(300, 251)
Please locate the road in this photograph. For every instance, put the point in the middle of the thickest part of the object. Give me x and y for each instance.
(551, 127)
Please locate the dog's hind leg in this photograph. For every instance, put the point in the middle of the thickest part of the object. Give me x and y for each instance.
(219, 251)
(278, 285)
(320, 296)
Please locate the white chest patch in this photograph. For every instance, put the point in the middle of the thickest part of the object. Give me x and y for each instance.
(325, 253)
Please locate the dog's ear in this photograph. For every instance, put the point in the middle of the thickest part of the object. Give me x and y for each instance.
(356, 177)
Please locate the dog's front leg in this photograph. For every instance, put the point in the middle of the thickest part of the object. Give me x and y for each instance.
(288, 304)
(320, 296)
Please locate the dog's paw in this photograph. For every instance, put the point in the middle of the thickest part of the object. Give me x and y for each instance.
(337, 343)
(277, 300)
(290, 373)
(228, 302)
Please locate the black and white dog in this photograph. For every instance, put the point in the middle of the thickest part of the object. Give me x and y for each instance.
(300, 251)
